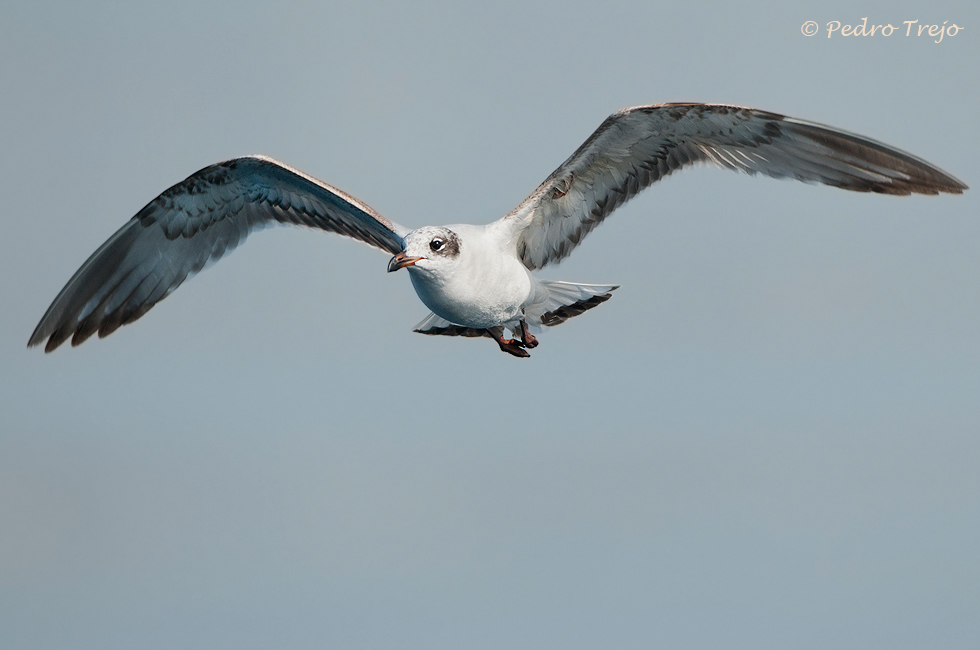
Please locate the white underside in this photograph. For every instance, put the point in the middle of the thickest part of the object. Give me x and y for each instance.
(548, 297)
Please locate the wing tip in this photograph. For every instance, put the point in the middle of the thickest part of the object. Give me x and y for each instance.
(42, 332)
(53, 341)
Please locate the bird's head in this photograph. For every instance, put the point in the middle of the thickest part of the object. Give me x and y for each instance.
(432, 248)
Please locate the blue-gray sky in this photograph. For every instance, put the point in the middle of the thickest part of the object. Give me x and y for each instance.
(768, 438)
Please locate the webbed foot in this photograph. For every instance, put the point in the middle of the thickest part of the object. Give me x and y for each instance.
(510, 346)
(513, 346)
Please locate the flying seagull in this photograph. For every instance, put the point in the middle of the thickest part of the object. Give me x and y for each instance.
(476, 279)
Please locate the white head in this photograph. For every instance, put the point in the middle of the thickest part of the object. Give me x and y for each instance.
(429, 249)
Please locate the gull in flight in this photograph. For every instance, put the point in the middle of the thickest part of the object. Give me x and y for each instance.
(477, 280)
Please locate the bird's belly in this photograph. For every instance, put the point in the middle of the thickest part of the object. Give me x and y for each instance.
(483, 301)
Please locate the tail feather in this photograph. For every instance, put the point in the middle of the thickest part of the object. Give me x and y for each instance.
(566, 300)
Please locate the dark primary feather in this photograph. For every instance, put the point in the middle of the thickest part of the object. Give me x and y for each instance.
(638, 146)
(190, 225)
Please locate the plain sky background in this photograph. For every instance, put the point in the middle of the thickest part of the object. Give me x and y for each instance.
(769, 438)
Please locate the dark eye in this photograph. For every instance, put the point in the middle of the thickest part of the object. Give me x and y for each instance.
(436, 244)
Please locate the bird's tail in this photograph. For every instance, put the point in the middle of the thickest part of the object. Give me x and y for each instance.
(564, 300)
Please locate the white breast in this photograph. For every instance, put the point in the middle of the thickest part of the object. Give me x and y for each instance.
(487, 286)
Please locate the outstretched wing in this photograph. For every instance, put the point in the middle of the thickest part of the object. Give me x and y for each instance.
(638, 146)
(191, 224)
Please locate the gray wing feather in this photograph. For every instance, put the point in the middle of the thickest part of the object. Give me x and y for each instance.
(191, 225)
(638, 146)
